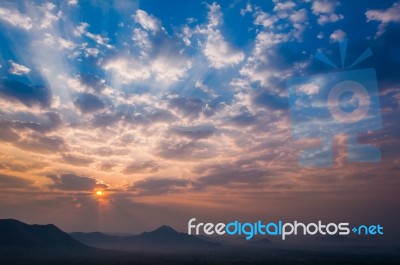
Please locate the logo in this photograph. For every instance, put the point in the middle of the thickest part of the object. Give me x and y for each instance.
(343, 102)
(281, 229)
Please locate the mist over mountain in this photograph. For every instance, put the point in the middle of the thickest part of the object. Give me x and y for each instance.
(22, 244)
(163, 238)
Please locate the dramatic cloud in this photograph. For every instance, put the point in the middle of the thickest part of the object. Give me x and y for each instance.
(35, 142)
(29, 95)
(159, 186)
(87, 103)
(90, 82)
(72, 182)
(225, 175)
(184, 113)
(75, 160)
(7, 132)
(7, 181)
(184, 150)
(141, 167)
(194, 132)
(187, 106)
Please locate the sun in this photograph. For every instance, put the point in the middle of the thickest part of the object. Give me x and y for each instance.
(99, 193)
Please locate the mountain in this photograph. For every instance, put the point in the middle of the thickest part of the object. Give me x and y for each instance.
(167, 236)
(96, 239)
(261, 242)
(163, 238)
(14, 233)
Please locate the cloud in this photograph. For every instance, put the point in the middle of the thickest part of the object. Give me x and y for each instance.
(54, 121)
(91, 52)
(285, 21)
(208, 91)
(325, 10)
(82, 30)
(191, 107)
(38, 143)
(107, 166)
(159, 186)
(77, 160)
(18, 69)
(22, 166)
(7, 132)
(164, 69)
(141, 168)
(26, 94)
(184, 150)
(337, 35)
(29, 135)
(48, 17)
(88, 103)
(106, 119)
(147, 115)
(262, 66)
(142, 40)
(308, 89)
(72, 182)
(288, 5)
(162, 119)
(8, 181)
(272, 101)
(148, 22)
(58, 42)
(127, 70)
(218, 51)
(264, 19)
(230, 174)
(91, 82)
(299, 16)
(324, 6)
(243, 119)
(15, 18)
(155, 60)
(384, 17)
(194, 132)
(246, 10)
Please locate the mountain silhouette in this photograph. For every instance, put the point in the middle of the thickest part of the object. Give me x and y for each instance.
(14, 233)
(162, 238)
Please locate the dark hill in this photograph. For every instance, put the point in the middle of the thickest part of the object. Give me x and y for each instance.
(14, 233)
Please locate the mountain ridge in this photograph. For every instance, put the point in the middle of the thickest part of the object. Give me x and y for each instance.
(18, 234)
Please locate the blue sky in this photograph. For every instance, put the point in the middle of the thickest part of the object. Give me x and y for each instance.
(182, 102)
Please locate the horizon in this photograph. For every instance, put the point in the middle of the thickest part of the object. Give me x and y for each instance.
(124, 116)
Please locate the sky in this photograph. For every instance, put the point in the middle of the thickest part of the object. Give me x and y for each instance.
(179, 109)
